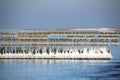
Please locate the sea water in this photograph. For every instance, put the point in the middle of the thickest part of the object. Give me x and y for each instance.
(37, 69)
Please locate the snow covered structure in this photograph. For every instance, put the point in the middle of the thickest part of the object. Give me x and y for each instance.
(59, 44)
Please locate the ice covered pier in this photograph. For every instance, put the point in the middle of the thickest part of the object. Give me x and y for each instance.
(59, 44)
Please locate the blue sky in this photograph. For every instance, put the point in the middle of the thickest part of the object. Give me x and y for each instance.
(54, 14)
(51, 14)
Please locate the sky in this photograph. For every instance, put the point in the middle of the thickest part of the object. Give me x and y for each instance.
(54, 14)
(59, 14)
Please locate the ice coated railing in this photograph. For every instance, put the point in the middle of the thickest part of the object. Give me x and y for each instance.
(29, 42)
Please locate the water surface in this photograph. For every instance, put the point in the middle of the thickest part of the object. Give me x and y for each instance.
(37, 69)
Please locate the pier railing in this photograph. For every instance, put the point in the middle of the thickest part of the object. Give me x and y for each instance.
(84, 37)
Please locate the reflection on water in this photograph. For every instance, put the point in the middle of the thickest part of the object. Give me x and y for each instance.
(45, 61)
(37, 69)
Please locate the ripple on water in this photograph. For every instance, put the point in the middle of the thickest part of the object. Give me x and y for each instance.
(59, 69)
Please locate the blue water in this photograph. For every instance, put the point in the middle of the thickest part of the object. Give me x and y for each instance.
(37, 69)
